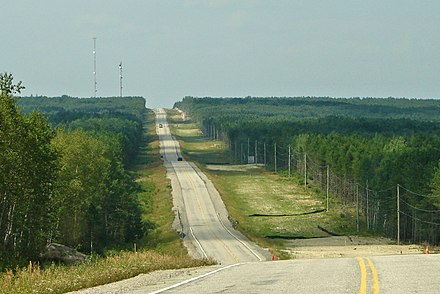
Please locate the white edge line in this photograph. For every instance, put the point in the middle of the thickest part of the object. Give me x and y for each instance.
(195, 278)
(244, 244)
(198, 243)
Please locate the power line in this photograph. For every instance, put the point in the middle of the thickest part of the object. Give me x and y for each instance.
(422, 221)
(420, 209)
(418, 194)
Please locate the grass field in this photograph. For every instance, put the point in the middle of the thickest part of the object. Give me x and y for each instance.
(193, 144)
(161, 249)
(250, 189)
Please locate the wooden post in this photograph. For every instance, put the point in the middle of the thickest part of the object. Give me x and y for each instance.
(288, 161)
(275, 155)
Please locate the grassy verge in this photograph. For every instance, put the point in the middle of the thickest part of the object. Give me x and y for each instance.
(249, 189)
(194, 145)
(161, 249)
(61, 279)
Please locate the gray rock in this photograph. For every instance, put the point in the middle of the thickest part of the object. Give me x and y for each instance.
(61, 253)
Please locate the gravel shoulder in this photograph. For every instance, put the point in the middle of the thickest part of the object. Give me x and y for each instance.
(147, 283)
(348, 246)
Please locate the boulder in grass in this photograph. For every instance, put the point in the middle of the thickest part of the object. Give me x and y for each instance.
(61, 253)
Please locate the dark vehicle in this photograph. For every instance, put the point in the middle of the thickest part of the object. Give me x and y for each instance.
(179, 158)
(160, 125)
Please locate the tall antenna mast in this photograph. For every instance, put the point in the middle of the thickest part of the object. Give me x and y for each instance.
(120, 78)
(94, 65)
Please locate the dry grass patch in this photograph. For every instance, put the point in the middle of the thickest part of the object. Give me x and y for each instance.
(264, 194)
(61, 279)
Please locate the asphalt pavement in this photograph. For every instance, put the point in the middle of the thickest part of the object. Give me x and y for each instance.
(203, 218)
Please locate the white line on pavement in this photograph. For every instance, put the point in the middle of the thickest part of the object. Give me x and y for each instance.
(194, 279)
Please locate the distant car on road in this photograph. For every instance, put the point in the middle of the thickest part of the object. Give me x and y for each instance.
(160, 125)
(179, 158)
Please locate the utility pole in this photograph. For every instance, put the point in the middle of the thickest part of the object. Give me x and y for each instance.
(256, 152)
(288, 161)
(248, 151)
(275, 157)
(328, 184)
(357, 208)
(305, 170)
(120, 79)
(264, 147)
(398, 214)
(368, 209)
(94, 65)
(414, 226)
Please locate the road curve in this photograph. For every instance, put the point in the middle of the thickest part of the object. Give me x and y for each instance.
(379, 274)
(202, 218)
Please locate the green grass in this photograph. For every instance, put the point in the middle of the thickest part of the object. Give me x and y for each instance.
(61, 279)
(246, 191)
(161, 249)
(194, 144)
(262, 192)
(156, 200)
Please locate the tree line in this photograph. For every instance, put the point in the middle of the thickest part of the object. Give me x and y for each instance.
(372, 147)
(63, 173)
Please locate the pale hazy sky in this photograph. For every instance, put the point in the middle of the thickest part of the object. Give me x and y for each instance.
(220, 48)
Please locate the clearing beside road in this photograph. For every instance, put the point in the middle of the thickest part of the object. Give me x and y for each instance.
(274, 210)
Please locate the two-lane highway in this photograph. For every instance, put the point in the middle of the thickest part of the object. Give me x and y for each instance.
(381, 274)
(203, 219)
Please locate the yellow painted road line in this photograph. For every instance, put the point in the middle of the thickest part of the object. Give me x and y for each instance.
(375, 277)
(363, 287)
(234, 257)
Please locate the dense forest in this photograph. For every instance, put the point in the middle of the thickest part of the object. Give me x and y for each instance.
(63, 170)
(380, 157)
